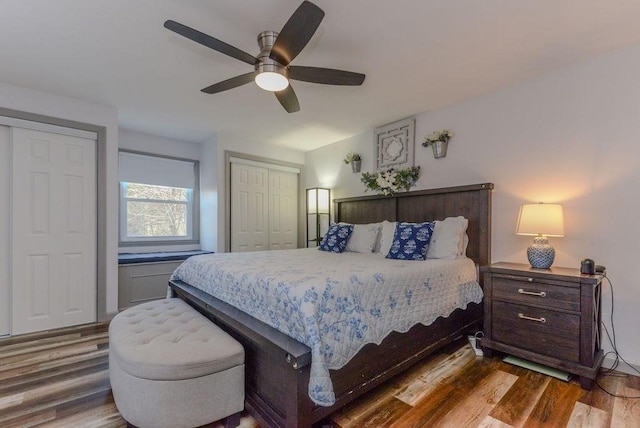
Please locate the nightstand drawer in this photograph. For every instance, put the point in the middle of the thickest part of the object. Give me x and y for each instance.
(528, 290)
(542, 331)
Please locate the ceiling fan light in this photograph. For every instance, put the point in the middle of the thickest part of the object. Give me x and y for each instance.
(271, 81)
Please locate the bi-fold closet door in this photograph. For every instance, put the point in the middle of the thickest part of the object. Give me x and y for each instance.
(264, 207)
(48, 187)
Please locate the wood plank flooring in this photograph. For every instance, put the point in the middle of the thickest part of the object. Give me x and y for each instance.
(60, 379)
(454, 388)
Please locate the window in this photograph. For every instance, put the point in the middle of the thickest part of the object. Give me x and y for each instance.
(158, 200)
(157, 211)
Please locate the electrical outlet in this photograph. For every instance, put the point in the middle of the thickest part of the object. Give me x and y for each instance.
(473, 341)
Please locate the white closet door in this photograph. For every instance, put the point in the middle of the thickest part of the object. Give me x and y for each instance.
(5, 231)
(283, 210)
(249, 208)
(53, 242)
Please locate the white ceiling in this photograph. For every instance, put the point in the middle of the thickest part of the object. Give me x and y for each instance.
(418, 55)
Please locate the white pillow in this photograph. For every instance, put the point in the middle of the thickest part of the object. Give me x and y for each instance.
(447, 241)
(386, 237)
(363, 238)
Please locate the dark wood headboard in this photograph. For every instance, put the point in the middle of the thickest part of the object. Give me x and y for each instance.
(473, 202)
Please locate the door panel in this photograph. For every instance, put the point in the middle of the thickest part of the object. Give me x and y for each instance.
(283, 210)
(53, 230)
(264, 208)
(249, 208)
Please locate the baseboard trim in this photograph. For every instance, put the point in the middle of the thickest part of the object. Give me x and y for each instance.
(622, 366)
(110, 316)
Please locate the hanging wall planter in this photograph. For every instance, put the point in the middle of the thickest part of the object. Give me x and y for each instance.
(355, 160)
(438, 140)
(439, 149)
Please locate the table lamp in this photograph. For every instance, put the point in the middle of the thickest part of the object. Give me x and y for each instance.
(540, 220)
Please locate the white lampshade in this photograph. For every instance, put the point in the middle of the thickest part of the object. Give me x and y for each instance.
(271, 81)
(318, 200)
(540, 219)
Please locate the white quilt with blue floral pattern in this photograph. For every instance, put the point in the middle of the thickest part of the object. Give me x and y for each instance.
(334, 303)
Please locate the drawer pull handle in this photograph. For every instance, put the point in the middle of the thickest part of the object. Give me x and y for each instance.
(532, 293)
(524, 317)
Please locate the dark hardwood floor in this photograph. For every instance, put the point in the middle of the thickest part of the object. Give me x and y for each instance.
(60, 379)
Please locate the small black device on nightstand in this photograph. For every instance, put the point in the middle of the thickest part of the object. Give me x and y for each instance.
(589, 267)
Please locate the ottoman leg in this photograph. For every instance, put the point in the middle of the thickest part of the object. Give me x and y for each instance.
(232, 421)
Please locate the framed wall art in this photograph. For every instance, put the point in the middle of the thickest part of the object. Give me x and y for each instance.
(394, 144)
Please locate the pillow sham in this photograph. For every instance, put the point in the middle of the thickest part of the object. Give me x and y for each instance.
(447, 241)
(385, 237)
(411, 241)
(363, 238)
(335, 240)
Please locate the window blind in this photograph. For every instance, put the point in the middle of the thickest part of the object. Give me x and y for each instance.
(160, 171)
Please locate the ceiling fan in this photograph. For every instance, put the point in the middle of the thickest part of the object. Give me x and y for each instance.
(272, 66)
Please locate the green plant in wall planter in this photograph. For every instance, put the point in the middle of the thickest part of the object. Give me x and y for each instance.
(355, 160)
(438, 140)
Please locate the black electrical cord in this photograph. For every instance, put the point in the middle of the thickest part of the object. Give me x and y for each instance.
(618, 357)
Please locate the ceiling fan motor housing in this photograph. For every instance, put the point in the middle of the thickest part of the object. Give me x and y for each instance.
(266, 39)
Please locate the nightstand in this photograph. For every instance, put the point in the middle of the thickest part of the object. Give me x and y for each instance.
(548, 316)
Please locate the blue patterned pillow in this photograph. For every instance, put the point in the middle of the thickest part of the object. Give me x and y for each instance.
(335, 240)
(411, 241)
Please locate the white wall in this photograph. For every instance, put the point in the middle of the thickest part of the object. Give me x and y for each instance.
(226, 143)
(27, 100)
(5, 230)
(209, 195)
(569, 138)
(147, 143)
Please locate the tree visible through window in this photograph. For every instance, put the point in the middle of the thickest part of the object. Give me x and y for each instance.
(156, 211)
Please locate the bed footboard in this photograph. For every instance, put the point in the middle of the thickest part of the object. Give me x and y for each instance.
(277, 367)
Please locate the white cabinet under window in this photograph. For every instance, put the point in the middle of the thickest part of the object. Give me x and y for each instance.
(264, 207)
(143, 282)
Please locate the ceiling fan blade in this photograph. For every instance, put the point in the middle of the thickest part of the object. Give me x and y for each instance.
(296, 33)
(234, 82)
(288, 99)
(210, 42)
(325, 76)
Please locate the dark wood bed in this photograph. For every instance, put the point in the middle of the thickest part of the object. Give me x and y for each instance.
(278, 367)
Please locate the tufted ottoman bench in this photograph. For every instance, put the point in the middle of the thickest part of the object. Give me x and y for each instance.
(171, 367)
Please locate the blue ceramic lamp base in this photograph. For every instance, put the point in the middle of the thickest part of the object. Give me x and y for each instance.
(541, 254)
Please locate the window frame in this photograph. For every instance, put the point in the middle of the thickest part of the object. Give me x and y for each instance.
(193, 211)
